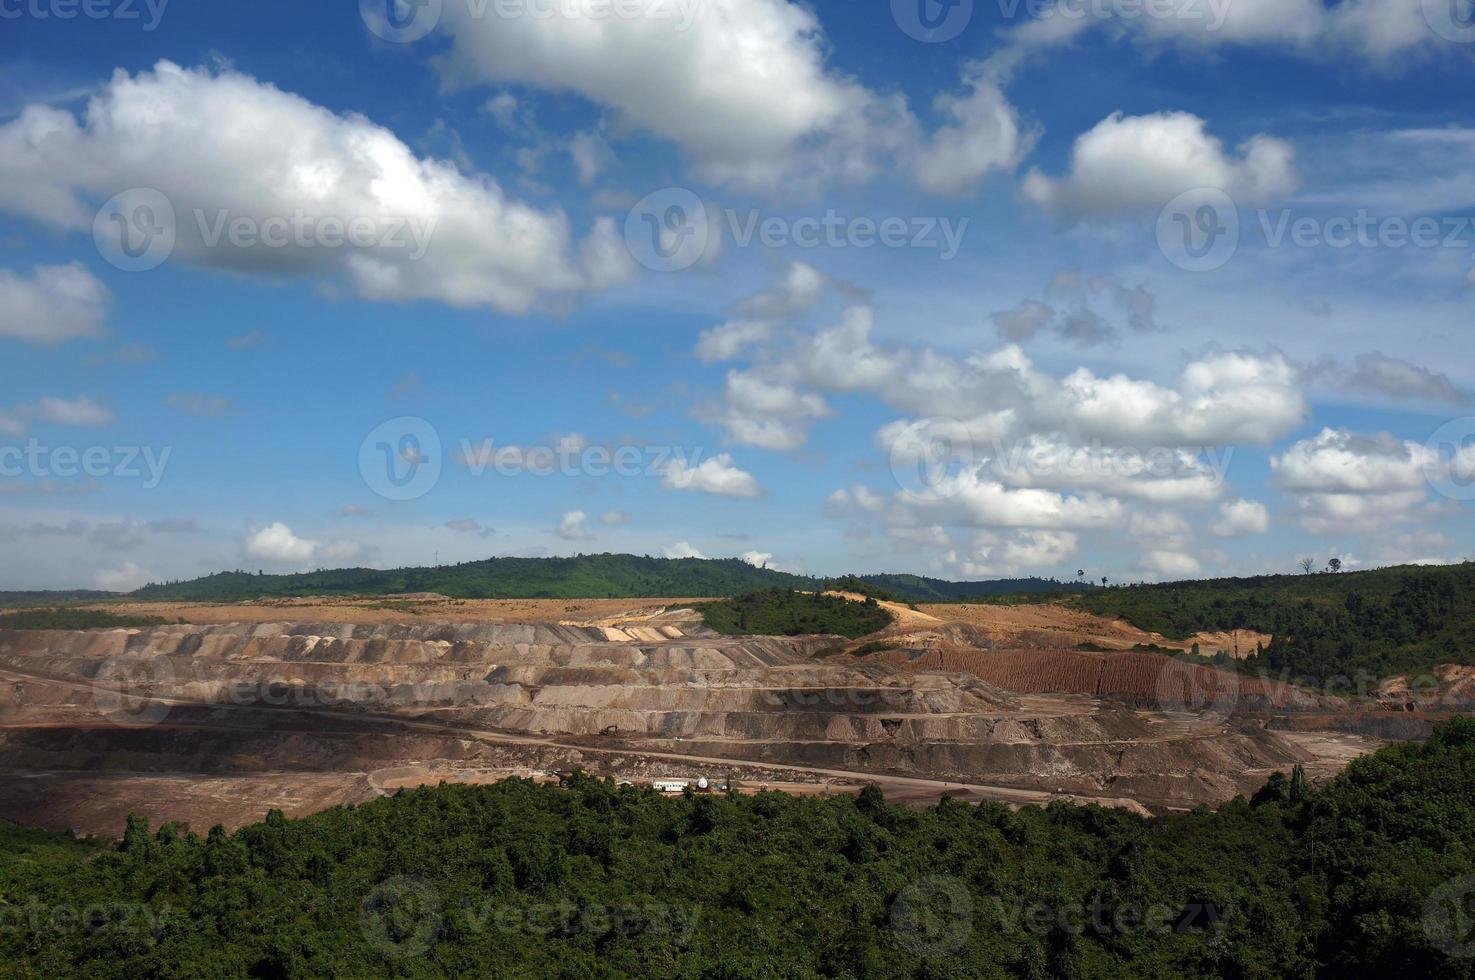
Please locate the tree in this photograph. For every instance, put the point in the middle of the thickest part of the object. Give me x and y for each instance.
(1307, 564)
(1334, 566)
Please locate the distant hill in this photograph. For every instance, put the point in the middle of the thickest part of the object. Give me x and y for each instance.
(1326, 626)
(10, 600)
(916, 588)
(581, 577)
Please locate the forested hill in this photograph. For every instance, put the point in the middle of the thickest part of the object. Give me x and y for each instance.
(1379, 623)
(581, 577)
(917, 588)
(1369, 876)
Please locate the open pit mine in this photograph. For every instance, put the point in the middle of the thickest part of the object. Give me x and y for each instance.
(221, 721)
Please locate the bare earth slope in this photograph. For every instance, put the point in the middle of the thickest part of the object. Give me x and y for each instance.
(304, 704)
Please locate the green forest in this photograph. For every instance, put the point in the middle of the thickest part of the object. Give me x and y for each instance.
(784, 612)
(1375, 623)
(1369, 876)
(580, 577)
(74, 619)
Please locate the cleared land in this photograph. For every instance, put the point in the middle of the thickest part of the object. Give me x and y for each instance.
(300, 704)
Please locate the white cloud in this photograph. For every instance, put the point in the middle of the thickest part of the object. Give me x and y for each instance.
(611, 518)
(220, 142)
(124, 578)
(767, 414)
(727, 341)
(1391, 377)
(742, 88)
(56, 304)
(682, 549)
(716, 475)
(1387, 33)
(1348, 481)
(278, 543)
(1168, 564)
(983, 135)
(1241, 518)
(82, 412)
(799, 290)
(571, 527)
(759, 559)
(1133, 164)
(468, 525)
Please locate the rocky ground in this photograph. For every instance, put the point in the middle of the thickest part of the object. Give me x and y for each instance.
(301, 705)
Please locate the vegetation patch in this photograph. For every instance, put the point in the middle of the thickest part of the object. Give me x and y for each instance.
(782, 612)
(603, 881)
(75, 619)
(1355, 624)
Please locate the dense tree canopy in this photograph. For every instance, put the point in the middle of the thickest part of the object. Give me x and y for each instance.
(1364, 877)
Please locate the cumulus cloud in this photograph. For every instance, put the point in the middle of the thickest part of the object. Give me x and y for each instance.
(1391, 377)
(221, 145)
(1346, 480)
(983, 134)
(1082, 312)
(758, 559)
(1221, 398)
(81, 412)
(1241, 518)
(572, 526)
(1133, 164)
(279, 544)
(682, 549)
(200, 405)
(799, 290)
(725, 342)
(125, 578)
(718, 476)
(1384, 32)
(468, 525)
(56, 303)
(743, 89)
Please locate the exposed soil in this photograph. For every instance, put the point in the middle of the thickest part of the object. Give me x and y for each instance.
(303, 704)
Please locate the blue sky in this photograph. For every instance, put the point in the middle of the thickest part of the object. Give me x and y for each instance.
(1036, 373)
